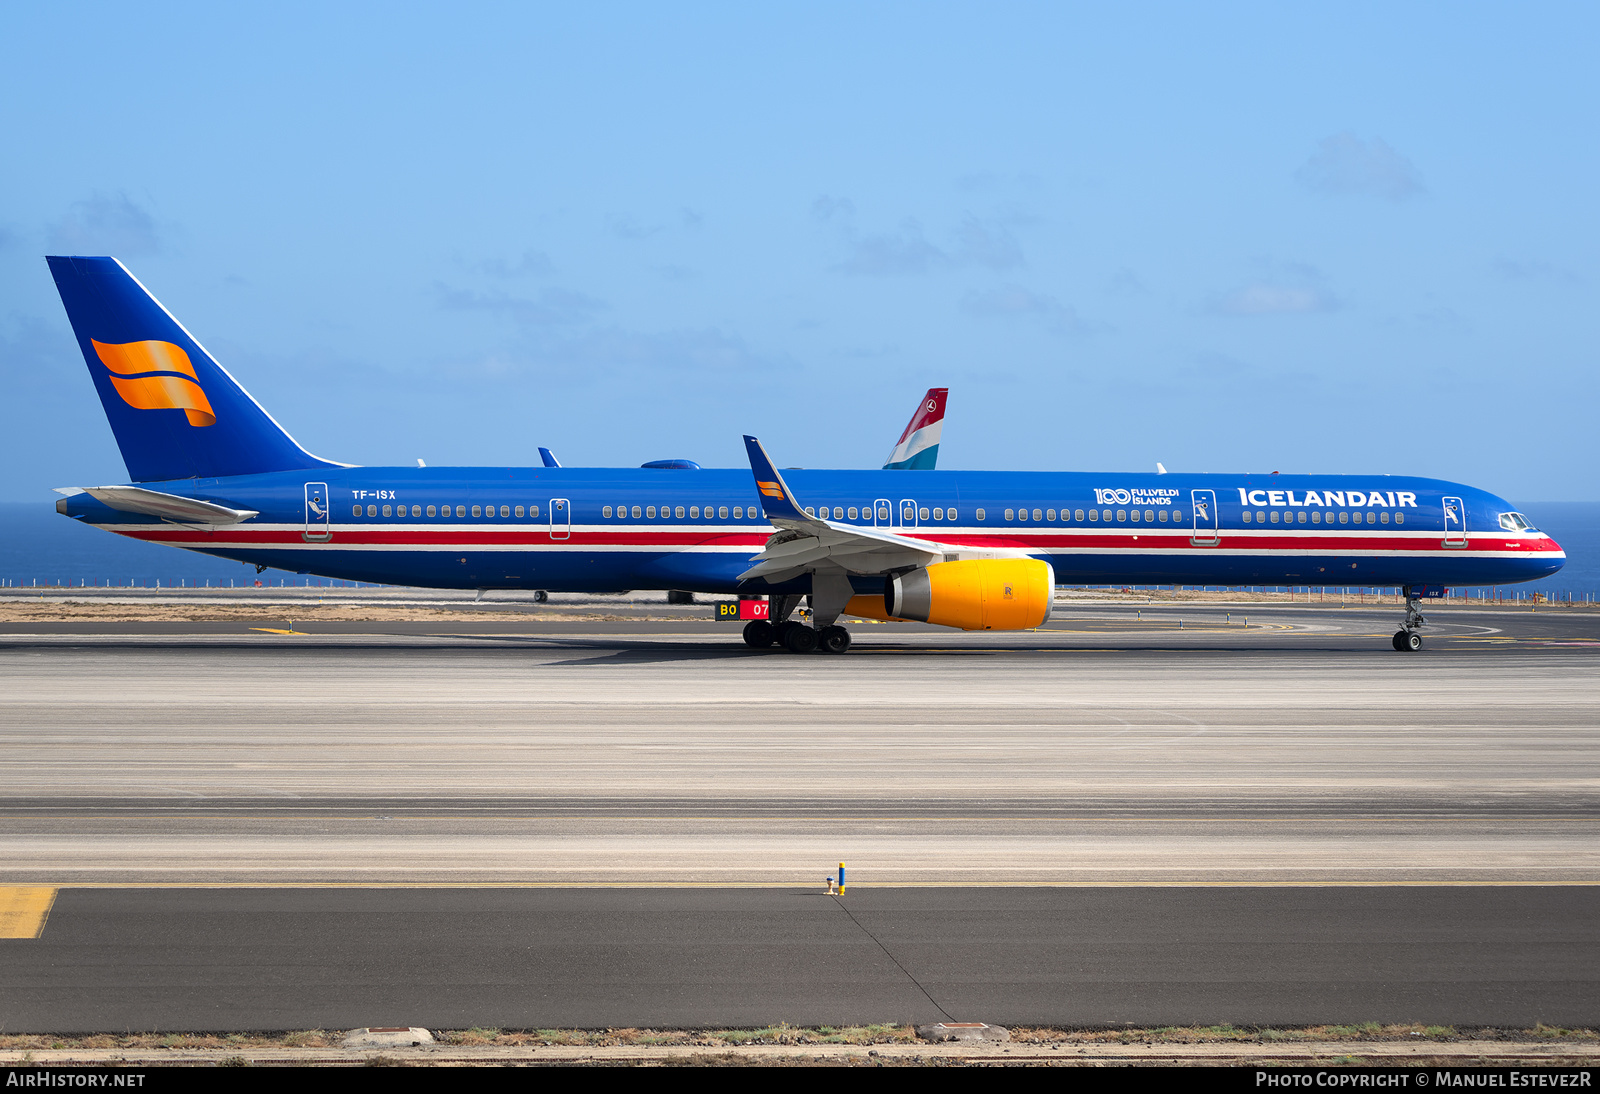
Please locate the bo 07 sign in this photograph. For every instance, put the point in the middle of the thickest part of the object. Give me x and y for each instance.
(742, 609)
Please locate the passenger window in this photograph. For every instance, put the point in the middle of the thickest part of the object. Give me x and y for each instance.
(1037, 515)
(907, 514)
(1344, 517)
(852, 512)
(1247, 517)
(518, 511)
(678, 512)
(1077, 514)
(355, 511)
(883, 514)
(650, 511)
(637, 512)
(433, 511)
(605, 512)
(1316, 518)
(694, 512)
(1372, 518)
(1135, 516)
(533, 511)
(1106, 515)
(1150, 515)
(1011, 514)
(738, 512)
(951, 514)
(1163, 517)
(416, 510)
(938, 514)
(1274, 516)
(1122, 516)
(722, 512)
(477, 510)
(811, 511)
(980, 514)
(1399, 518)
(1261, 518)
(1022, 514)
(1177, 516)
(1094, 515)
(387, 510)
(1383, 518)
(505, 510)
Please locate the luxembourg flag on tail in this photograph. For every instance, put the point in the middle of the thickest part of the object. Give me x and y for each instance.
(918, 449)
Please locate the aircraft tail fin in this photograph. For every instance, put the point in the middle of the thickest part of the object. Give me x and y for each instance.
(176, 413)
(918, 449)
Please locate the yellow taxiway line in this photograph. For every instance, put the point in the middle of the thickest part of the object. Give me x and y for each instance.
(23, 910)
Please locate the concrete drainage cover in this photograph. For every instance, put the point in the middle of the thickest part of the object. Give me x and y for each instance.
(388, 1037)
(963, 1031)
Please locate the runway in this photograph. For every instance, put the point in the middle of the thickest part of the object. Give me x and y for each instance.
(1440, 807)
(1299, 750)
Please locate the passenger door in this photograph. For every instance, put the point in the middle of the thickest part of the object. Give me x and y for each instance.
(560, 518)
(908, 514)
(317, 513)
(1455, 523)
(883, 513)
(1207, 521)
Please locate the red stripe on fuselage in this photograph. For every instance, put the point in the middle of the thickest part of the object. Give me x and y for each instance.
(662, 539)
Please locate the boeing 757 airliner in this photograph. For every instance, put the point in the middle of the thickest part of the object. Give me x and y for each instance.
(212, 471)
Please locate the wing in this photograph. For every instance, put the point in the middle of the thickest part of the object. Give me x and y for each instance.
(806, 544)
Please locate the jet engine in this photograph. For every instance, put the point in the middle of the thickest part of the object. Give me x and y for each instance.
(987, 594)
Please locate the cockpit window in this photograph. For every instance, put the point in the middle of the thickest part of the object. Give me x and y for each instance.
(1514, 522)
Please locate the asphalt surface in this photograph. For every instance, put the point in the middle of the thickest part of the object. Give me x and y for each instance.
(231, 959)
(1170, 791)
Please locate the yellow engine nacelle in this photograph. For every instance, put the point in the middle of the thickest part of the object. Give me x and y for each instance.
(985, 594)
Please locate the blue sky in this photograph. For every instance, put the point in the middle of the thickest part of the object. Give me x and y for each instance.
(1352, 237)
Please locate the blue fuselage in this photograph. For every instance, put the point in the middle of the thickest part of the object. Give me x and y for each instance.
(608, 530)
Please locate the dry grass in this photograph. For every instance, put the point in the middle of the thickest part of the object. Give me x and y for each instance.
(56, 610)
(784, 1034)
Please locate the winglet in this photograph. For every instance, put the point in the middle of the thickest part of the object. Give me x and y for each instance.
(549, 457)
(777, 500)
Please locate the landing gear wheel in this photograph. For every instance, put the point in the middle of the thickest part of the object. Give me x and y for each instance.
(1399, 640)
(800, 638)
(834, 640)
(758, 634)
(540, 596)
(1413, 641)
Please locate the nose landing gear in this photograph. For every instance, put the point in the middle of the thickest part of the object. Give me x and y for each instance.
(1406, 639)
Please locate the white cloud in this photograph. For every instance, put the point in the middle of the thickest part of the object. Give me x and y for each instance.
(907, 251)
(1014, 300)
(105, 225)
(1279, 289)
(1346, 164)
(552, 307)
(531, 264)
(1535, 270)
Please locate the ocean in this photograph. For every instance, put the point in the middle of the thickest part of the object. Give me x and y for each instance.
(39, 546)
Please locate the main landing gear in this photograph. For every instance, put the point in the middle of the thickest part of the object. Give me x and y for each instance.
(795, 637)
(1406, 639)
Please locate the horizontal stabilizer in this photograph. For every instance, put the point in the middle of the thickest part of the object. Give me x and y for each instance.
(153, 503)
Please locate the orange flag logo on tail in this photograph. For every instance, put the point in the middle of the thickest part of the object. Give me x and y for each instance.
(156, 376)
(770, 489)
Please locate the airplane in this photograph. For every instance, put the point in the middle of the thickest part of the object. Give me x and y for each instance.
(211, 471)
